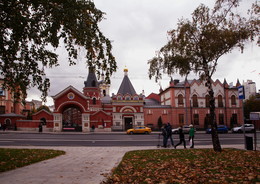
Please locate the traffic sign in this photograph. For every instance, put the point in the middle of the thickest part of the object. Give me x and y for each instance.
(241, 92)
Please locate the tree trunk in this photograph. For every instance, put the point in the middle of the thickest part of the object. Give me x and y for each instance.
(213, 123)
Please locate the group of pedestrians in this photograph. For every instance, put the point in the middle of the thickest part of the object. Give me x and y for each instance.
(167, 134)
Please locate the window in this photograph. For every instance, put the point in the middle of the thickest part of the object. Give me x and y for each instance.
(195, 101)
(207, 100)
(2, 109)
(221, 119)
(2, 92)
(104, 92)
(127, 98)
(94, 101)
(180, 99)
(220, 101)
(119, 98)
(136, 98)
(181, 119)
(233, 100)
(196, 119)
(207, 121)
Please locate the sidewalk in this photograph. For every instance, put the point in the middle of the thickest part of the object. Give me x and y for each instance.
(80, 165)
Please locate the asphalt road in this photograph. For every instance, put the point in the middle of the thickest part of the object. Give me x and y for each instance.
(105, 139)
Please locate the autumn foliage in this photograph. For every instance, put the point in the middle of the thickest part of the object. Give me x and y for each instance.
(188, 166)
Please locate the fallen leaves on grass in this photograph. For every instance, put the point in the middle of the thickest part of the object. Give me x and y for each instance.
(14, 158)
(188, 166)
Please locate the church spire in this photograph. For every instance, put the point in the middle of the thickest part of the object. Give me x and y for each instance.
(92, 79)
(126, 86)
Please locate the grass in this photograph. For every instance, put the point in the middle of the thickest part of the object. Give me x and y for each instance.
(15, 158)
(188, 166)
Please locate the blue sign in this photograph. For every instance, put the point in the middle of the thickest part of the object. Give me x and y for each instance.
(241, 92)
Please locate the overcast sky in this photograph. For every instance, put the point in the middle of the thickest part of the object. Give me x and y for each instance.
(138, 28)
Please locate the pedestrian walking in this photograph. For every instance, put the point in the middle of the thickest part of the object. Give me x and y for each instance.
(191, 136)
(4, 126)
(182, 138)
(40, 127)
(169, 133)
(93, 128)
(165, 136)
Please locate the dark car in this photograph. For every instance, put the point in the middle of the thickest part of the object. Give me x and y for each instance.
(220, 129)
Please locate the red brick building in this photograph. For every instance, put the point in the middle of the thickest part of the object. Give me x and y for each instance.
(187, 102)
(180, 103)
(11, 110)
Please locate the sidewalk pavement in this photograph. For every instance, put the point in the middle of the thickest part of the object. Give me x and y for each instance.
(80, 165)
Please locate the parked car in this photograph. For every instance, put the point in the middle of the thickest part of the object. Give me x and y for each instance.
(185, 129)
(139, 130)
(220, 129)
(248, 128)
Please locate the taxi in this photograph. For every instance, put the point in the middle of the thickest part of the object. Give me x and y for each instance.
(139, 130)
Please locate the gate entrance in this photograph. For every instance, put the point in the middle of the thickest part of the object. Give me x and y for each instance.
(128, 123)
(72, 119)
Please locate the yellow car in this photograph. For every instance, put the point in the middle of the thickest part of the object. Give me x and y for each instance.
(139, 130)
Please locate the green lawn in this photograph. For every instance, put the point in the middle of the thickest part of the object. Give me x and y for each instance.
(14, 158)
(188, 166)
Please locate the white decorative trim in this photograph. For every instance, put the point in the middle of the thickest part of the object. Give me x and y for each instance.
(71, 102)
(127, 107)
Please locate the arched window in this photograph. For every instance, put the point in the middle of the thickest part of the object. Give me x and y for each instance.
(220, 101)
(119, 98)
(94, 101)
(136, 98)
(127, 98)
(207, 100)
(180, 99)
(104, 92)
(195, 101)
(233, 100)
(8, 122)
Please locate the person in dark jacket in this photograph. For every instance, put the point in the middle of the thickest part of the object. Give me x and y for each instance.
(169, 133)
(182, 138)
(165, 135)
(40, 127)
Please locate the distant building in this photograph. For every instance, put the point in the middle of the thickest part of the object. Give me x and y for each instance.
(7, 104)
(250, 88)
(187, 102)
(11, 111)
(37, 103)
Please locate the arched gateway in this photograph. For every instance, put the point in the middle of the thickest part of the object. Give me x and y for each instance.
(71, 118)
(71, 111)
